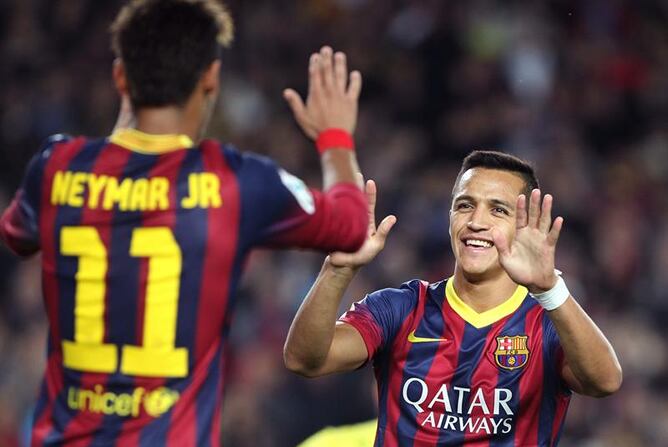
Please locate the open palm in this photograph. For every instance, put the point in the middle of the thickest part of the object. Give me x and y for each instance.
(529, 258)
(375, 240)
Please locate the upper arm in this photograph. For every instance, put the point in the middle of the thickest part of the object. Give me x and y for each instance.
(347, 352)
(369, 327)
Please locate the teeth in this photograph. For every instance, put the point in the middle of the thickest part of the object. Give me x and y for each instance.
(478, 243)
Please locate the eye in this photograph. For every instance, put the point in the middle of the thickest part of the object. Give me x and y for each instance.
(463, 205)
(499, 210)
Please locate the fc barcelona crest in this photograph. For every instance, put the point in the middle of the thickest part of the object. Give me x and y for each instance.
(511, 352)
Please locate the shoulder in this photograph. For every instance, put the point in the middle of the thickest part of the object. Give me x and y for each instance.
(55, 142)
(405, 296)
(237, 159)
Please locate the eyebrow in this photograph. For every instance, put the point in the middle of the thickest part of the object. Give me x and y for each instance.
(469, 198)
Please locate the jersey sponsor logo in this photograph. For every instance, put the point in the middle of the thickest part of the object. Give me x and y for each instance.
(98, 400)
(299, 190)
(83, 189)
(511, 351)
(412, 338)
(450, 408)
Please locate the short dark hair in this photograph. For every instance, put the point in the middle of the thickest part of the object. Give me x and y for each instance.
(503, 162)
(166, 45)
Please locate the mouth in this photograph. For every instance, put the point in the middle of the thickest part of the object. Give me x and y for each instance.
(477, 244)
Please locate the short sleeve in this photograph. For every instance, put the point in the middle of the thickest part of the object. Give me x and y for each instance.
(380, 315)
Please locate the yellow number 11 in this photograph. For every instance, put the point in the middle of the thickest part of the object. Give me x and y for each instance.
(158, 357)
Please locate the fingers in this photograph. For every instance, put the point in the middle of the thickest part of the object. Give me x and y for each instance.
(359, 180)
(326, 68)
(553, 235)
(370, 191)
(340, 71)
(521, 211)
(385, 227)
(500, 241)
(355, 85)
(545, 214)
(534, 208)
(314, 76)
(294, 101)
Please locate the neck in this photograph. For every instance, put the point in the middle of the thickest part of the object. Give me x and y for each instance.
(186, 120)
(483, 294)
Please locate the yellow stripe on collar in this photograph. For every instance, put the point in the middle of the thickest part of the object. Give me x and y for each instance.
(138, 141)
(488, 317)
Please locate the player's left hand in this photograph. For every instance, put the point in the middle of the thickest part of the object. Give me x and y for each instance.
(529, 258)
(376, 236)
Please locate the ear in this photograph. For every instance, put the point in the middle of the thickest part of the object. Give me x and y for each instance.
(210, 80)
(120, 79)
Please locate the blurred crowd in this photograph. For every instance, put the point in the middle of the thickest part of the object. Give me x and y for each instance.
(579, 87)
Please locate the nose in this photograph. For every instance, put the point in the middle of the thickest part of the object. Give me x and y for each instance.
(478, 221)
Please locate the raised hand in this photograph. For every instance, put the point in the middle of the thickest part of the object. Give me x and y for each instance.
(332, 96)
(375, 240)
(529, 258)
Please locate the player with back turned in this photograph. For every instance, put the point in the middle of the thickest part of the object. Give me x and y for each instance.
(487, 357)
(143, 234)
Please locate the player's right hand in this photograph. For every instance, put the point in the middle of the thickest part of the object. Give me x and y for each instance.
(332, 96)
(375, 240)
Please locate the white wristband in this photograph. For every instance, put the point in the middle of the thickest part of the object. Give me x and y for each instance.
(554, 297)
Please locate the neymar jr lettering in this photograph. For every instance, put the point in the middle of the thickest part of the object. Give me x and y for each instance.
(83, 189)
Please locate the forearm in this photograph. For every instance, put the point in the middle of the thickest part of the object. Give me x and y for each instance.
(589, 355)
(339, 165)
(312, 331)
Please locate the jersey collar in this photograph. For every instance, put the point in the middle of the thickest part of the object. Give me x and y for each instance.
(138, 141)
(482, 319)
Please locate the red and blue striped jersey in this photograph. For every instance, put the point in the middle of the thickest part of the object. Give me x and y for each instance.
(450, 376)
(143, 238)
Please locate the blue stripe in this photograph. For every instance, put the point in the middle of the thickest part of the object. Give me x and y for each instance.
(207, 399)
(190, 231)
(470, 354)
(382, 365)
(550, 386)
(66, 268)
(516, 325)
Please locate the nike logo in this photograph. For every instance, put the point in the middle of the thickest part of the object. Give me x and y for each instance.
(413, 339)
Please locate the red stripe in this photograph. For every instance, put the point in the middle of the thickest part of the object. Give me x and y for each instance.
(396, 371)
(61, 156)
(445, 364)
(484, 377)
(111, 162)
(167, 166)
(531, 382)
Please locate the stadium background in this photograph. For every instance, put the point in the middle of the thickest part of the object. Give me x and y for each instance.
(579, 87)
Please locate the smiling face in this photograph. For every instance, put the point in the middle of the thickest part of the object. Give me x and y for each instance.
(482, 199)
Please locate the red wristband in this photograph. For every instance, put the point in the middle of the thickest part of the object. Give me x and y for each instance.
(334, 139)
